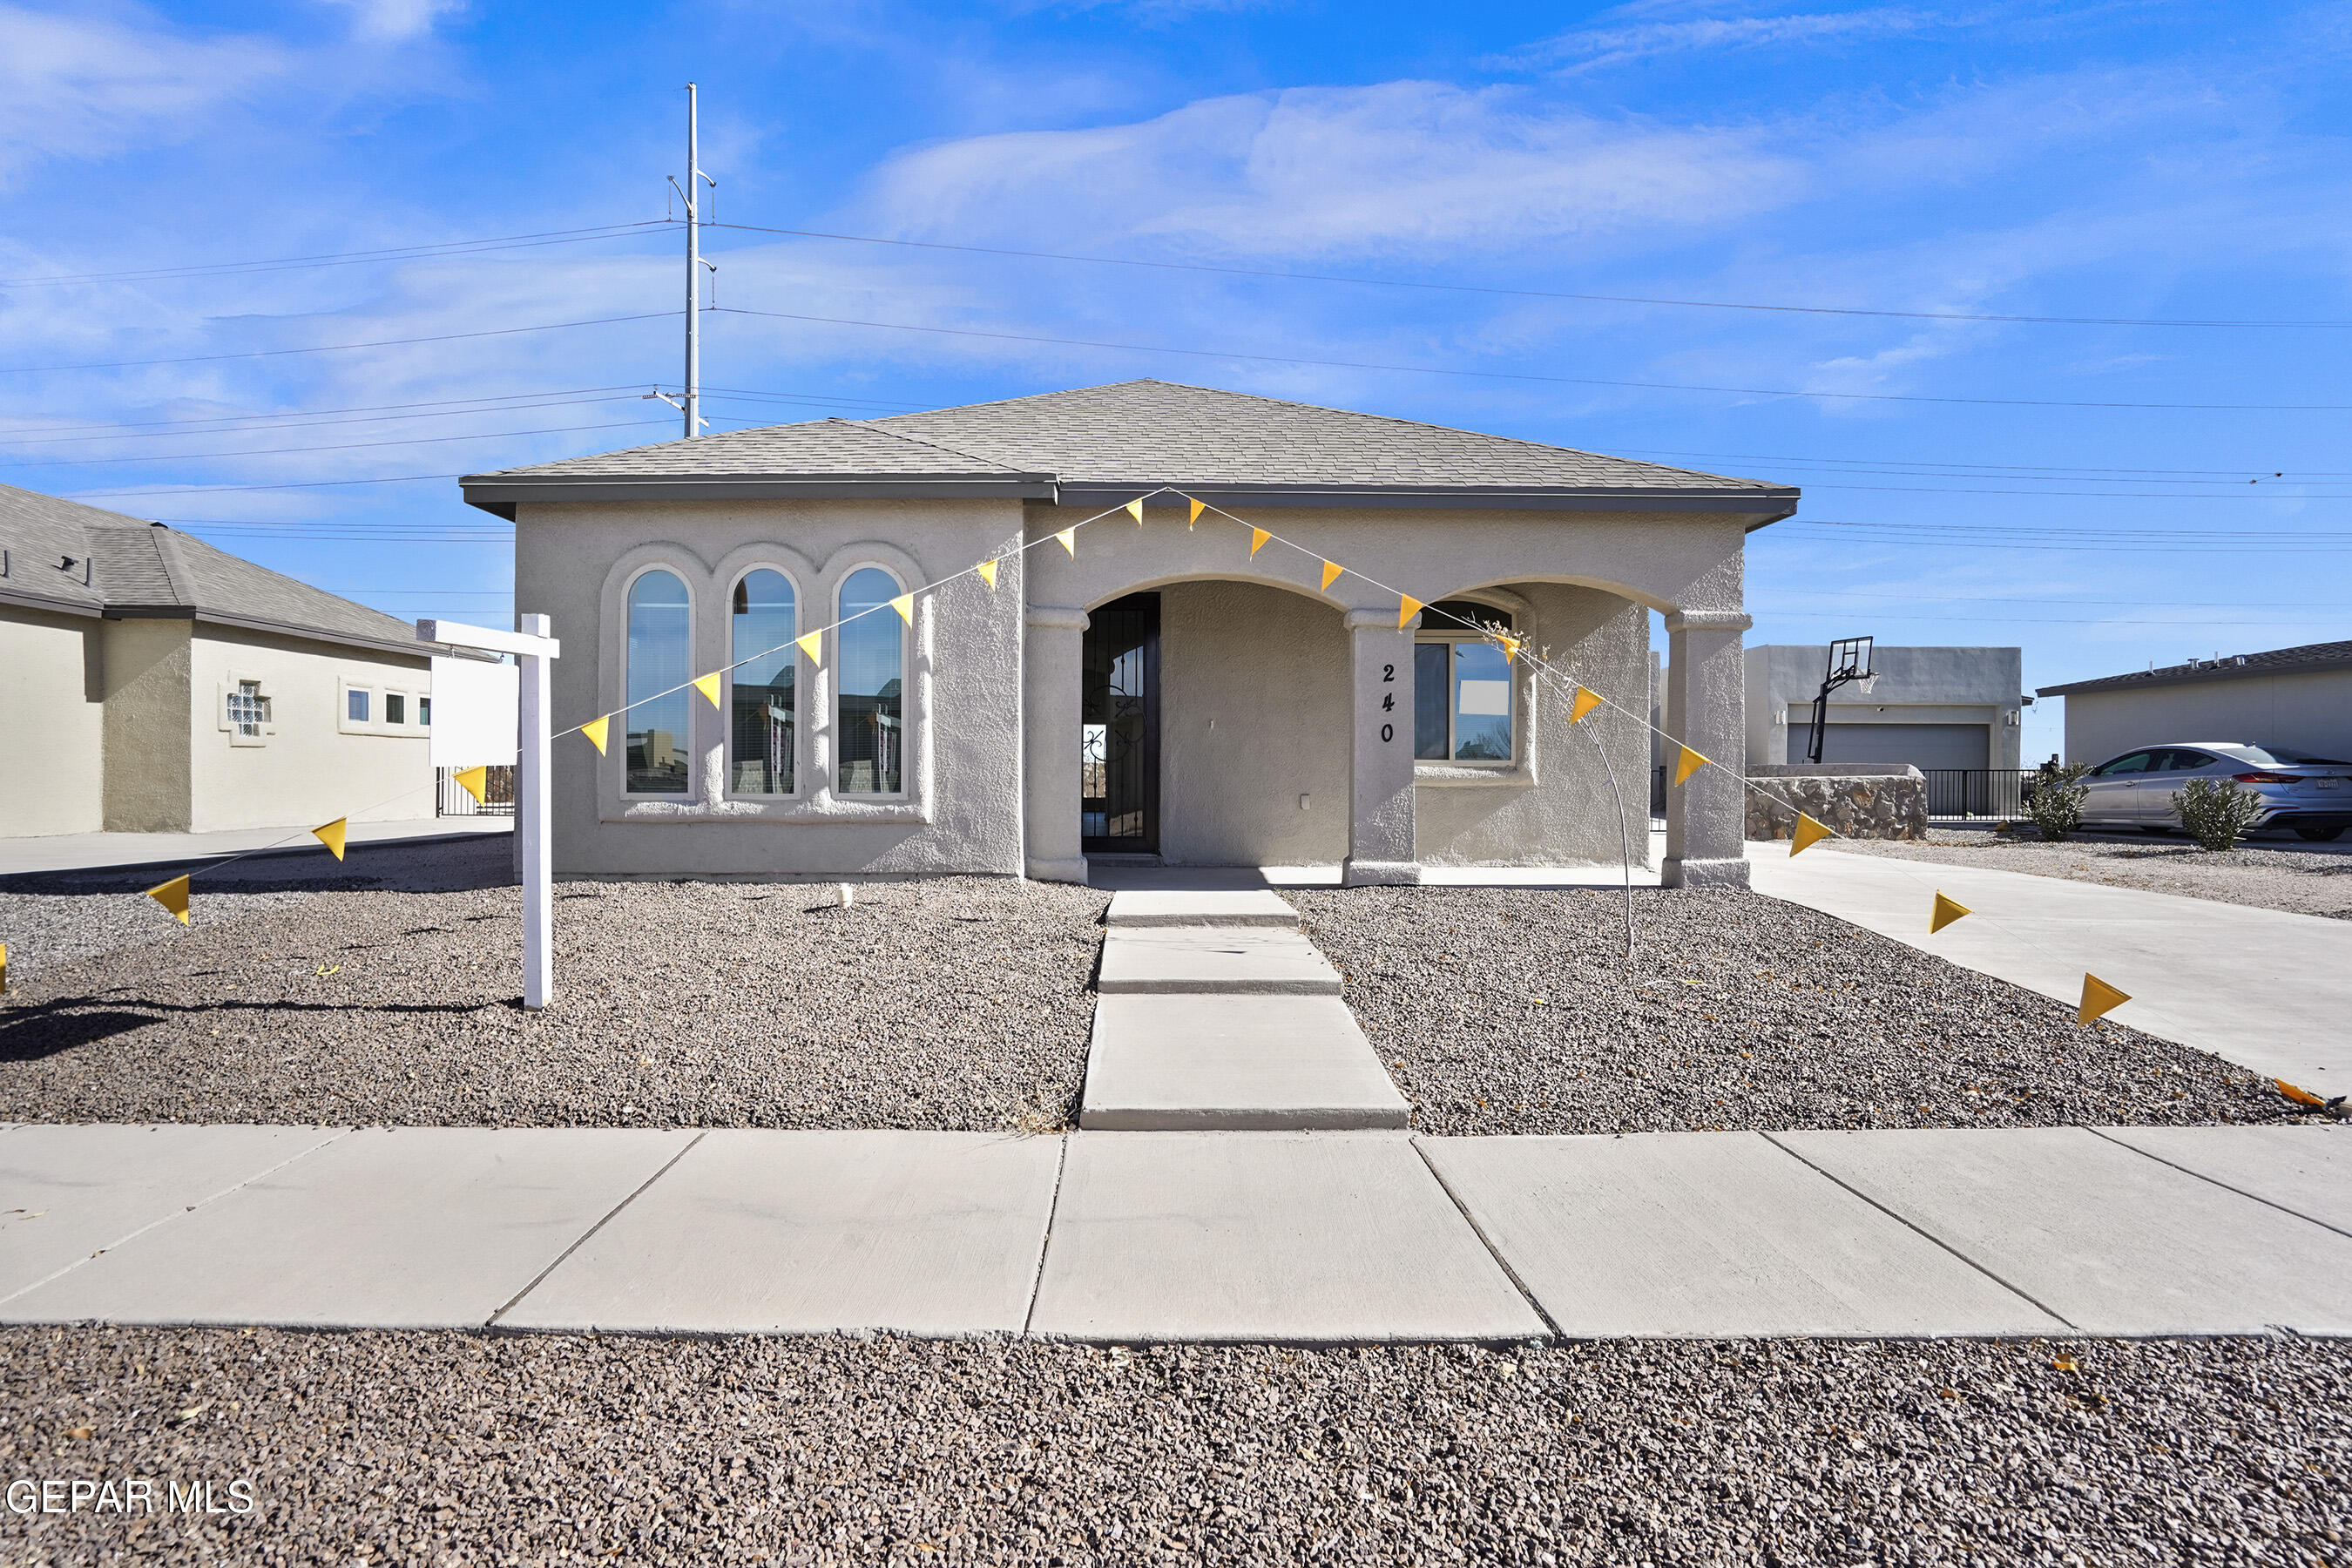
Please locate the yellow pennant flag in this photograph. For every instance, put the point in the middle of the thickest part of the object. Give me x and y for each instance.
(1510, 648)
(1808, 833)
(1330, 574)
(1690, 763)
(2098, 998)
(474, 781)
(3, 969)
(173, 896)
(334, 833)
(1944, 912)
(905, 605)
(812, 645)
(2303, 1097)
(1407, 607)
(709, 685)
(1069, 538)
(1586, 702)
(1197, 508)
(595, 729)
(1258, 537)
(987, 570)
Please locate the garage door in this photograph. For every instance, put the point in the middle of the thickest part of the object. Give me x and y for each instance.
(1923, 746)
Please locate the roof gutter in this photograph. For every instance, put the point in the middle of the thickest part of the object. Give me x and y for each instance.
(408, 649)
(2147, 682)
(499, 496)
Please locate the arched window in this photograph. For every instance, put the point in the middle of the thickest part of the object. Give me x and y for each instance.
(869, 715)
(661, 639)
(761, 726)
(1462, 685)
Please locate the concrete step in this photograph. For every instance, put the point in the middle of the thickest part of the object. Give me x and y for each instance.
(1234, 1064)
(1198, 906)
(1252, 961)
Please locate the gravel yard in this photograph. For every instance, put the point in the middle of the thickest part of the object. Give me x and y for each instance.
(1509, 1011)
(954, 1004)
(2308, 880)
(450, 1448)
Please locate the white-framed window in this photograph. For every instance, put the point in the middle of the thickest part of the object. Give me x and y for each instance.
(1463, 700)
(659, 728)
(870, 703)
(371, 707)
(359, 705)
(762, 727)
(425, 712)
(395, 707)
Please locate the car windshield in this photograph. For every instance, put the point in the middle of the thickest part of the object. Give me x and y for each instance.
(2280, 756)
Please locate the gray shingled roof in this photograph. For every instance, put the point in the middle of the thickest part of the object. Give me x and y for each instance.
(2310, 658)
(139, 568)
(1135, 434)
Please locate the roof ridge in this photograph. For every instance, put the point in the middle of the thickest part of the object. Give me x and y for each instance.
(1031, 398)
(169, 560)
(935, 445)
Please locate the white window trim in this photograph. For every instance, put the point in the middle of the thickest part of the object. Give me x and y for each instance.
(693, 738)
(1519, 771)
(906, 709)
(374, 723)
(801, 686)
(224, 689)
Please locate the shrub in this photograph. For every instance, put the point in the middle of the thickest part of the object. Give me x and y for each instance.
(2216, 811)
(2057, 803)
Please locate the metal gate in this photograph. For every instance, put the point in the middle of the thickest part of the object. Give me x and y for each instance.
(1119, 718)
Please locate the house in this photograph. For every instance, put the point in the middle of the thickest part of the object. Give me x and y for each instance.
(150, 683)
(1935, 708)
(1157, 690)
(2299, 698)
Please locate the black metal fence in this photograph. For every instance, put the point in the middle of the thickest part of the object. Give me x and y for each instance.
(453, 799)
(1964, 793)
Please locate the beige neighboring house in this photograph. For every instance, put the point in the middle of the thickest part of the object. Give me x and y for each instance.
(152, 683)
(2299, 698)
(1161, 695)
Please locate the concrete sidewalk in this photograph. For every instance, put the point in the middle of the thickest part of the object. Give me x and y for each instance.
(1290, 1238)
(2267, 990)
(61, 852)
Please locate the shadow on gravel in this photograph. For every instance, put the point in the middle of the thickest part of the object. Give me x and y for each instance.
(391, 867)
(30, 1034)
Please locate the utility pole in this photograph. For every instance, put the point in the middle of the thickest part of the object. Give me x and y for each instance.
(690, 403)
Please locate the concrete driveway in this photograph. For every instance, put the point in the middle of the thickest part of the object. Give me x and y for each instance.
(2264, 989)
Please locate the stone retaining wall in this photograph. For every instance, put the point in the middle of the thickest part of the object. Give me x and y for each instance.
(1858, 801)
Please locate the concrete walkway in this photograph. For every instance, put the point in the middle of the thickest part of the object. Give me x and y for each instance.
(58, 852)
(1213, 1011)
(1310, 1239)
(2267, 990)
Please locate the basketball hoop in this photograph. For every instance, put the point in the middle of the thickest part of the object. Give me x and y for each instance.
(1849, 662)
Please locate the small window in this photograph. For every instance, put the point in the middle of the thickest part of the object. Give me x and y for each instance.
(248, 710)
(425, 711)
(395, 707)
(355, 705)
(1462, 688)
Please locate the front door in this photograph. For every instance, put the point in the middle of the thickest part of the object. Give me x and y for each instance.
(1119, 714)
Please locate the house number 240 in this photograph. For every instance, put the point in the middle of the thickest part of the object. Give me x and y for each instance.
(1388, 700)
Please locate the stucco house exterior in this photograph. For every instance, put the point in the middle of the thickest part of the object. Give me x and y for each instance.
(150, 683)
(1158, 693)
(1934, 708)
(2294, 697)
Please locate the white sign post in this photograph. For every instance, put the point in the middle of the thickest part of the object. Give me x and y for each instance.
(533, 648)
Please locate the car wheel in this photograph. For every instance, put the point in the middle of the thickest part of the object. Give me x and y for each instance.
(2319, 835)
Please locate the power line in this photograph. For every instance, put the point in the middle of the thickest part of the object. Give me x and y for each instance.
(348, 257)
(298, 418)
(1522, 293)
(337, 348)
(2072, 621)
(2060, 604)
(340, 447)
(1521, 375)
(299, 485)
(2054, 470)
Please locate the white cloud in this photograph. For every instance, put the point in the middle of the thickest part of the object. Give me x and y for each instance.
(1627, 37)
(395, 21)
(83, 83)
(1401, 166)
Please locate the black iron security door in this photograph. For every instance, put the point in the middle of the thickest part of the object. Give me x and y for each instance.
(1119, 718)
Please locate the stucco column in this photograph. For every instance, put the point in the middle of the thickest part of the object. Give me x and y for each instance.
(1052, 663)
(1380, 796)
(1707, 710)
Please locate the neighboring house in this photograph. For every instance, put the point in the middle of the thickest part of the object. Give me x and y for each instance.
(152, 683)
(2299, 698)
(1162, 693)
(1935, 708)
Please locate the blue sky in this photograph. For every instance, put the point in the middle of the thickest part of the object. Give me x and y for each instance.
(1966, 479)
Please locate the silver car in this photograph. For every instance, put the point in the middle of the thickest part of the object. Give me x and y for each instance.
(2312, 795)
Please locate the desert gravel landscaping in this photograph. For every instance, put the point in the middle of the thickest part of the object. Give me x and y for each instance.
(1510, 1011)
(954, 1004)
(2306, 879)
(460, 1449)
